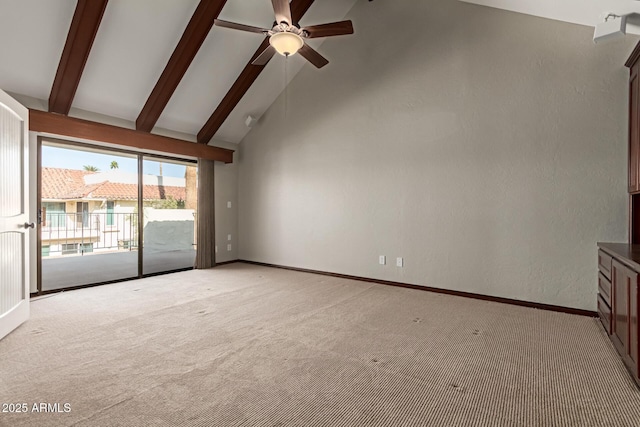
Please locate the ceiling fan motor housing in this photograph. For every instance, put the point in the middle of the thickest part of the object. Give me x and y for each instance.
(285, 27)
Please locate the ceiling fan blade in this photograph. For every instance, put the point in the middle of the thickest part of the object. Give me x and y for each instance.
(282, 10)
(312, 56)
(327, 30)
(265, 56)
(240, 27)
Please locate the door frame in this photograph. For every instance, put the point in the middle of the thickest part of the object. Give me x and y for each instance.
(141, 156)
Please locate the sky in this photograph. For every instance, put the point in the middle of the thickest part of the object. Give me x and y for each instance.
(64, 158)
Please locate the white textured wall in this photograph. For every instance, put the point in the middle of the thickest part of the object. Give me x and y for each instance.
(226, 190)
(487, 148)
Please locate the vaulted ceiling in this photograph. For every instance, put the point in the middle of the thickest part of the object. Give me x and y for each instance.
(160, 64)
(583, 12)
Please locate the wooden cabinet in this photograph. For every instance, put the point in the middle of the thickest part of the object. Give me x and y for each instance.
(624, 313)
(618, 299)
(604, 264)
(622, 277)
(634, 145)
(604, 290)
(634, 131)
(604, 312)
(619, 263)
(633, 351)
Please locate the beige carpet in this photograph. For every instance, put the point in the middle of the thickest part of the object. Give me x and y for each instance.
(244, 345)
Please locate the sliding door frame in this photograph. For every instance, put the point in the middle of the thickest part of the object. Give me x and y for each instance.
(140, 215)
(141, 156)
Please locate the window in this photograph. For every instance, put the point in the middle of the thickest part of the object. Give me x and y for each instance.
(54, 214)
(82, 214)
(69, 248)
(74, 248)
(110, 215)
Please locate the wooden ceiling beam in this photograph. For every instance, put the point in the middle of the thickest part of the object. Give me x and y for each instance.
(57, 124)
(186, 49)
(246, 79)
(299, 8)
(82, 32)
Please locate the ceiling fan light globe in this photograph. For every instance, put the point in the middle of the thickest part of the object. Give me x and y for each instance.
(286, 43)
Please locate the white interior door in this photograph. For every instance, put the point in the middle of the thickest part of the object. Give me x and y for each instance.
(14, 214)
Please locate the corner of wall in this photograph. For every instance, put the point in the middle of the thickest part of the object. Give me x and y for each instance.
(226, 201)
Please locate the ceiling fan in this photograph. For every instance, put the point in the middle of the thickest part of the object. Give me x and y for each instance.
(287, 37)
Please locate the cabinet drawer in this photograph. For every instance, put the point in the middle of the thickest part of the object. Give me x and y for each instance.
(605, 314)
(604, 264)
(604, 287)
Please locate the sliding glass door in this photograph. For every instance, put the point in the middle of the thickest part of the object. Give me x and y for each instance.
(88, 216)
(108, 215)
(169, 215)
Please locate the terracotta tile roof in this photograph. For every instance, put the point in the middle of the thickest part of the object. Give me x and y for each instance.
(62, 183)
(118, 191)
(69, 184)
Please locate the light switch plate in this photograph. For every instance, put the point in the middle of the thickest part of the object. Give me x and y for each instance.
(382, 260)
(399, 262)
(229, 237)
(228, 204)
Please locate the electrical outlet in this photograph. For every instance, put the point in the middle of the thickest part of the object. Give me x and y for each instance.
(228, 247)
(229, 237)
(382, 260)
(399, 262)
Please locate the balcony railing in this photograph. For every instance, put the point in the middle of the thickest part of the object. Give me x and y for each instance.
(84, 232)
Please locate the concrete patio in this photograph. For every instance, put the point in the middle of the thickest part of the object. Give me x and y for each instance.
(67, 271)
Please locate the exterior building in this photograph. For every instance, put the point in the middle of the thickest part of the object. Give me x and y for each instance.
(85, 211)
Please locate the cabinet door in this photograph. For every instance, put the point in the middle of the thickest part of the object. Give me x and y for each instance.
(633, 323)
(634, 131)
(620, 307)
